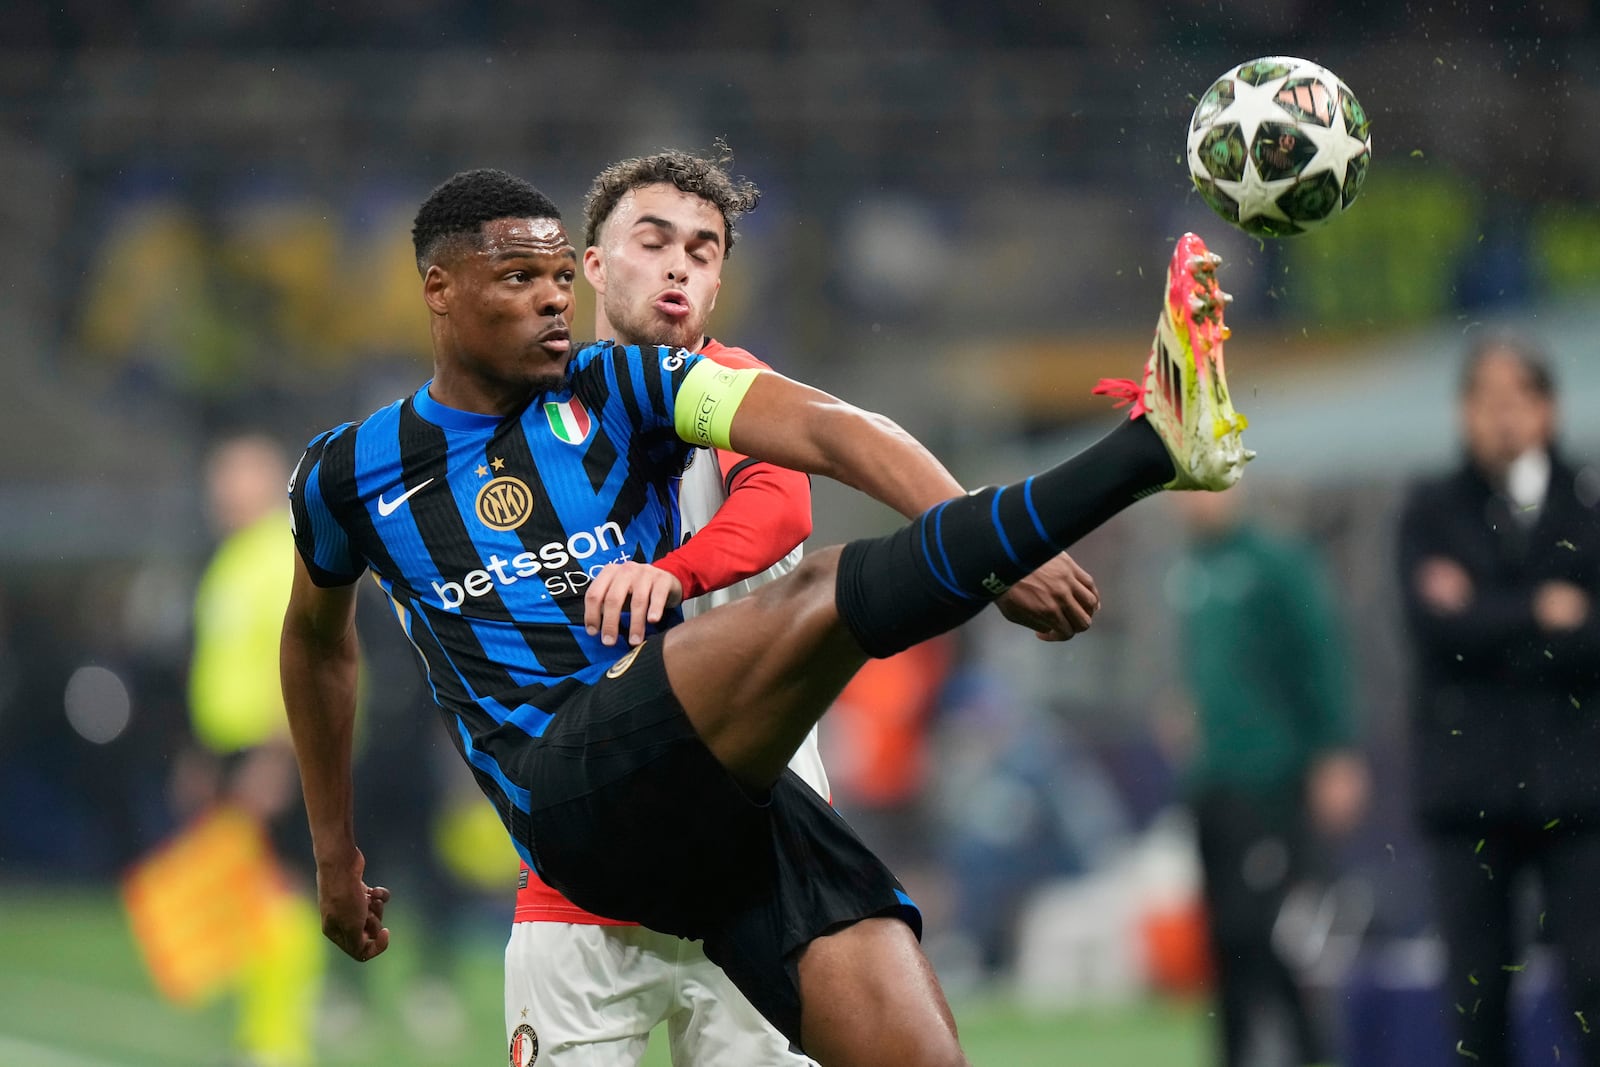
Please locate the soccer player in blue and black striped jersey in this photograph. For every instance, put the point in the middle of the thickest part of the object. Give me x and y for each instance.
(648, 783)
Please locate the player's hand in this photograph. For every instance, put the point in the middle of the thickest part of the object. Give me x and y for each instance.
(352, 911)
(1056, 601)
(643, 591)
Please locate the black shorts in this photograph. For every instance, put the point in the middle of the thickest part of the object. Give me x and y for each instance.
(633, 818)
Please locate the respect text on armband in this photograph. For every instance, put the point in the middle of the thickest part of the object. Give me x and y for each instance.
(702, 419)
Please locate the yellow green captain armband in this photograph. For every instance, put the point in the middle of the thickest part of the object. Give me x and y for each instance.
(709, 396)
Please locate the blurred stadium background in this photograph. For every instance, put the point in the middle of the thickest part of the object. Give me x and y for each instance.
(967, 210)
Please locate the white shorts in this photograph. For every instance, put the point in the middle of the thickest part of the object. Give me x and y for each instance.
(590, 995)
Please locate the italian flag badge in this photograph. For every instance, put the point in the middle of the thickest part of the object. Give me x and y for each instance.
(569, 420)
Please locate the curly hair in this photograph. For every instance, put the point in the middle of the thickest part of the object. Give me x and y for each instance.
(706, 178)
(462, 204)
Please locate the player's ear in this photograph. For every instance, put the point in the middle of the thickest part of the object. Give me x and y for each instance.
(594, 268)
(436, 289)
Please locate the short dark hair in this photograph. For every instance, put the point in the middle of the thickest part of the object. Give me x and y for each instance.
(462, 204)
(707, 178)
(1523, 349)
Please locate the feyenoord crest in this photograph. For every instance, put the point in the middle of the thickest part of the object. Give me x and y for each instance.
(569, 420)
(524, 1046)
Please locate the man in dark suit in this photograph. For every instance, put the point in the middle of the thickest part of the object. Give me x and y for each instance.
(1500, 574)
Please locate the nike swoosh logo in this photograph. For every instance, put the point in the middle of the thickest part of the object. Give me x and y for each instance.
(386, 507)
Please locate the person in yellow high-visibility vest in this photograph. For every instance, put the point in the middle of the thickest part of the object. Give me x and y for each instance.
(237, 716)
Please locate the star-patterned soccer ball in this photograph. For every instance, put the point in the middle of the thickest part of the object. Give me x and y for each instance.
(1279, 146)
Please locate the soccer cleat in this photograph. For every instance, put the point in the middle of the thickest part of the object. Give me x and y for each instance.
(1184, 395)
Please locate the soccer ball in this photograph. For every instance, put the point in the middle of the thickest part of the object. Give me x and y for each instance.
(1279, 146)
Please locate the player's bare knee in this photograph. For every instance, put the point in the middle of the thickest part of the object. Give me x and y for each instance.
(868, 986)
(934, 1050)
(890, 1043)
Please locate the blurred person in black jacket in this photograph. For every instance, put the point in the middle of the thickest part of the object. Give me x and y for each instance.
(1500, 573)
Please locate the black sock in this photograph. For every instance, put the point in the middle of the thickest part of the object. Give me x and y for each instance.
(954, 558)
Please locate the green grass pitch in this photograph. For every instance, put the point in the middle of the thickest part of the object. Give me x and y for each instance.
(73, 993)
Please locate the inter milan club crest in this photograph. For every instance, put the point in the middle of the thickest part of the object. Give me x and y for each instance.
(524, 1046)
(504, 503)
(569, 420)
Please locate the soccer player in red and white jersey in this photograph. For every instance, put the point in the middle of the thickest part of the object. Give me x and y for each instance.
(587, 989)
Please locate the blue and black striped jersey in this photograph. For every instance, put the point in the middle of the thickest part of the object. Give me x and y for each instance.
(484, 531)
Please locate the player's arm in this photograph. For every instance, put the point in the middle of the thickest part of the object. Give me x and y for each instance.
(766, 516)
(781, 421)
(769, 417)
(767, 513)
(318, 661)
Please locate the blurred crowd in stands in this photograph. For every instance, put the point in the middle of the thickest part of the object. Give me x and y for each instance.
(214, 200)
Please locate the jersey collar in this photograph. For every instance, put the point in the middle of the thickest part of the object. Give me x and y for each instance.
(450, 418)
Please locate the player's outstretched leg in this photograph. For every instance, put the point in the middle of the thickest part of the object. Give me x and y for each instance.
(754, 676)
(1182, 433)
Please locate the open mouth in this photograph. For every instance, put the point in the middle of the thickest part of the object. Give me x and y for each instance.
(673, 303)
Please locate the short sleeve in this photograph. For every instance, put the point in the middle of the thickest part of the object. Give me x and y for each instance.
(322, 542)
(650, 378)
